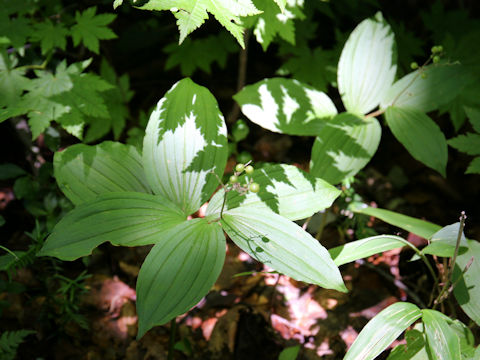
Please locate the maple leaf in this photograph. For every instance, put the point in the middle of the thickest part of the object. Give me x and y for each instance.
(191, 14)
(91, 28)
(16, 30)
(50, 36)
(12, 81)
(199, 54)
(273, 21)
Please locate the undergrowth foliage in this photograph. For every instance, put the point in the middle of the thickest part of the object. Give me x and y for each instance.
(146, 192)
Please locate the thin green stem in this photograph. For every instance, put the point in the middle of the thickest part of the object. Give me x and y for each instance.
(10, 252)
(171, 344)
(318, 236)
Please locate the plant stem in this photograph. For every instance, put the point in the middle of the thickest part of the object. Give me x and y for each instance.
(171, 344)
(446, 289)
(318, 236)
(242, 75)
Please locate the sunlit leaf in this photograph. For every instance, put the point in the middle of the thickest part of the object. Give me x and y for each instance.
(363, 248)
(344, 146)
(467, 289)
(285, 189)
(444, 241)
(123, 218)
(191, 14)
(442, 341)
(282, 245)
(178, 272)
(420, 135)
(83, 171)
(382, 330)
(367, 66)
(419, 227)
(185, 146)
(286, 106)
(440, 84)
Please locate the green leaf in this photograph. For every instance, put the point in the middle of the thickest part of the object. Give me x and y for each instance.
(9, 342)
(191, 14)
(467, 289)
(382, 330)
(442, 84)
(185, 146)
(117, 3)
(420, 135)
(200, 53)
(289, 353)
(17, 30)
(442, 341)
(474, 167)
(123, 218)
(50, 36)
(419, 227)
(284, 189)
(83, 172)
(286, 106)
(90, 28)
(282, 245)
(363, 248)
(12, 81)
(274, 21)
(316, 67)
(344, 146)
(474, 117)
(467, 340)
(413, 350)
(444, 241)
(367, 66)
(468, 143)
(10, 171)
(179, 270)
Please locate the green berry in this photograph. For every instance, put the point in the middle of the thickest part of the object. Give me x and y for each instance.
(437, 49)
(249, 170)
(233, 179)
(436, 59)
(239, 168)
(414, 66)
(240, 130)
(244, 157)
(254, 187)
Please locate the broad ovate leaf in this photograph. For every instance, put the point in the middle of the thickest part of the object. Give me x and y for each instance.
(382, 330)
(282, 245)
(286, 106)
(185, 146)
(442, 341)
(419, 227)
(125, 218)
(179, 270)
(367, 65)
(344, 146)
(83, 172)
(439, 85)
(444, 241)
(285, 189)
(420, 135)
(363, 248)
(467, 289)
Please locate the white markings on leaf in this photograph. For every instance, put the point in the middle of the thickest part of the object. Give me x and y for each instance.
(268, 109)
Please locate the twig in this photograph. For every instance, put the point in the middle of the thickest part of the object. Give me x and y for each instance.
(242, 75)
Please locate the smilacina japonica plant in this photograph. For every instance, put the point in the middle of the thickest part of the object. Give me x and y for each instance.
(133, 199)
